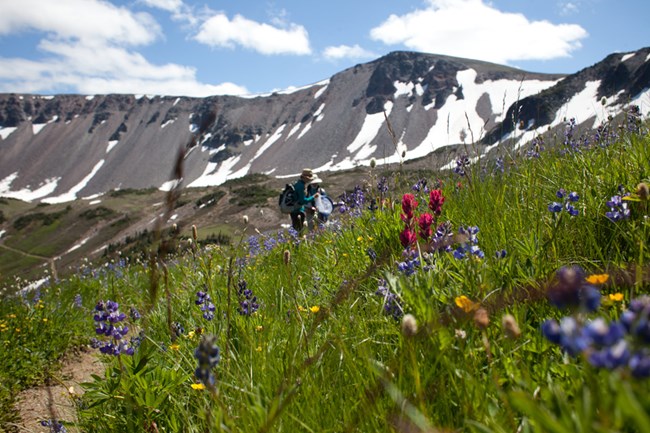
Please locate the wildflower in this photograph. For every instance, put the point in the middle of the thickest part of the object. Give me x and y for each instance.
(107, 316)
(597, 278)
(315, 309)
(411, 261)
(409, 325)
(175, 347)
(465, 304)
(616, 297)
(461, 163)
(436, 200)
(372, 254)
(178, 329)
(421, 185)
(391, 301)
(570, 289)
(424, 222)
(409, 204)
(54, 426)
(618, 209)
(77, 301)
(205, 301)
(134, 314)
(247, 302)
(407, 237)
(460, 333)
(208, 356)
(198, 386)
(382, 185)
(501, 254)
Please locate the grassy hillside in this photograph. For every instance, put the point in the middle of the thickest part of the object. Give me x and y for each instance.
(501, 296)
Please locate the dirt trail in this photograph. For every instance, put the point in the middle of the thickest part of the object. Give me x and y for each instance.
(43, 402)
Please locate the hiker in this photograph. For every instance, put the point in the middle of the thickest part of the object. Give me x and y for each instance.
(314, 188)
(302, 199)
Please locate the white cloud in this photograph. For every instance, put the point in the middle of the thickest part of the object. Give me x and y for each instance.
(347, 52)
(90, 20)
(88, 47)
(167, 5)
(220, 31)
(476, 29)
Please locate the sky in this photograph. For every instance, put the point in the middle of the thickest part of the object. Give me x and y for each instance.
(245, 47)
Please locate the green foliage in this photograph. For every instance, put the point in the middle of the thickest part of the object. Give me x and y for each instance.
(310, 327)
(210, 199)
(97, 212)
(39, 217)
(251, 196)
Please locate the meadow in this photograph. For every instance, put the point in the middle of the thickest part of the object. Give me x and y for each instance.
(506, 295)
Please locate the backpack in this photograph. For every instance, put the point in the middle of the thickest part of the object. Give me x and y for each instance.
(287, 199)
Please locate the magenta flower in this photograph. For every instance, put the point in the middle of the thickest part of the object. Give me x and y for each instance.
(436, 200)
(407, 237)
(409, 204)
(425, 222)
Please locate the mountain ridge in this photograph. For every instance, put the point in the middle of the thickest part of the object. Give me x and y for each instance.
(63, 147)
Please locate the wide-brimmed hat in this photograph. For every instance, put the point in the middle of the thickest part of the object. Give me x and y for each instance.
(315, 180)
(307, 175)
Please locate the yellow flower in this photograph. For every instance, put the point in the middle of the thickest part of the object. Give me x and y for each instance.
(465, 304)
(259, 328)
(597, 279)
(315, 309)
(44, 319)
(259, 348)
(360, 239)
(11, 316)
(198, 386)
(301, 308)
(616, 297)
(175, 347)
(369, 238)
(191, 335)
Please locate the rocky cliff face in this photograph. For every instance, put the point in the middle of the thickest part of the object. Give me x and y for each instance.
(64, 147)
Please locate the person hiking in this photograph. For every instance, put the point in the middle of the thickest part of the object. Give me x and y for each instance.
(298, 215)
(314, 188)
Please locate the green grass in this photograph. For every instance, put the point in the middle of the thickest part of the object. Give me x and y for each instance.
(321, 354)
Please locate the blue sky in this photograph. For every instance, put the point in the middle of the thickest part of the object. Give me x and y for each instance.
(207, 47)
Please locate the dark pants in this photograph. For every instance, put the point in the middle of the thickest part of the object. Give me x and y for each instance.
(297, 220)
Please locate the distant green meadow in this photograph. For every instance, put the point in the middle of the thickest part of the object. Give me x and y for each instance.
(507, 294)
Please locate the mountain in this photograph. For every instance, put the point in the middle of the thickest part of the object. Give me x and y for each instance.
(59, 148)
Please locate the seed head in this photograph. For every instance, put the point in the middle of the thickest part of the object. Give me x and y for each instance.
(195, 233)
(481, 318)
(510, 326)
(409, 325)
(643, 190)
(287, 257)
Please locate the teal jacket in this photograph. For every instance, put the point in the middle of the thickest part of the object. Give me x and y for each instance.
(301, 198)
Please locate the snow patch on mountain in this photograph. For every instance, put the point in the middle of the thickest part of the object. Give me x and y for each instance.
(5, 132)
(72, 193)
(45, 188)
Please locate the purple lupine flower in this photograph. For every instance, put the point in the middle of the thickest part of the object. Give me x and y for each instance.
(207, 307)
(54, 426)
(208, 356)
(570, 289)
(618, 209)
(247, 301)
(107, 316)
(392, 306)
